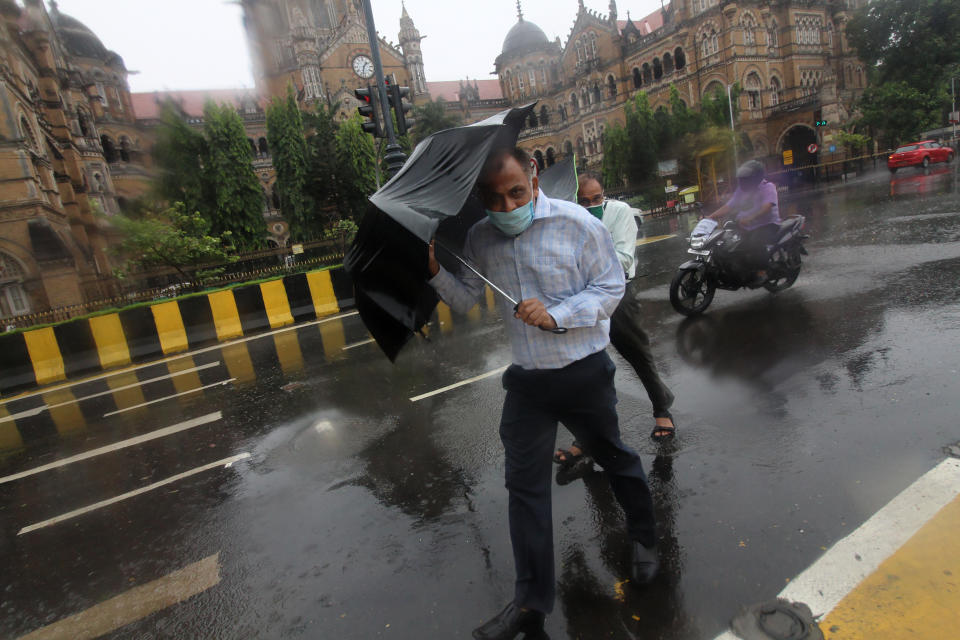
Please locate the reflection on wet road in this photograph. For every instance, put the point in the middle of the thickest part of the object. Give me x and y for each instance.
(297, 484)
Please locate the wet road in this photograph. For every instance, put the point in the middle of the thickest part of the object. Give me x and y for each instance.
(362, 513)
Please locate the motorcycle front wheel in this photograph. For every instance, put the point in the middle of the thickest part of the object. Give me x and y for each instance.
(786, 264)
(691, 292)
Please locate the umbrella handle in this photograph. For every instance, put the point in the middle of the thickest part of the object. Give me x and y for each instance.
(558, 330)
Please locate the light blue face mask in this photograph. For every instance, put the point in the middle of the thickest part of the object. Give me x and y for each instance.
(512, 223)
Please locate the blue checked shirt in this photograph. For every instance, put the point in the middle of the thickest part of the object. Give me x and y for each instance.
(566, 259)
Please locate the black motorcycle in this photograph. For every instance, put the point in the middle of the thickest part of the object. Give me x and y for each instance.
(718, 265)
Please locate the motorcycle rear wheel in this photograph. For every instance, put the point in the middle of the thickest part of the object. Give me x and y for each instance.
(788, 264)
(691, 292)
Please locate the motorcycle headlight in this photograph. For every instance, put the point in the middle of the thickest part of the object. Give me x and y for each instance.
(696, 242)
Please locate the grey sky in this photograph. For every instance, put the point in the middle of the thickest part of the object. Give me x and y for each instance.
(200, 44)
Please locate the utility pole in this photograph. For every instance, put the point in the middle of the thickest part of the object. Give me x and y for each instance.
(953, 111)
(395, 156)
(736, 159)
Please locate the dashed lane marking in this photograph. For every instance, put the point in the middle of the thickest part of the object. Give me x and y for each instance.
(36, 410)
(358, 344)
(226, 462)
(653, 239)
(135, 604)
(153, 363)
(153, 435)
(458, 384)
(175, 395)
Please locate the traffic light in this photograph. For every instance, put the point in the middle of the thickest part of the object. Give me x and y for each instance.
(818, 120)
(370, 108)
(820, 123)
(400, 107)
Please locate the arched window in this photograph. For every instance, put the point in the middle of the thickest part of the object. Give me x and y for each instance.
(657, 69)
(544, 115)
(263, 148)
(538, 157)
(584, 98)
(125, 149)
(109, 150)
(13, 299)
(567, 149)
(773, 35)
(667, 63)
(775, 88)
(714, 42)
(593, 45)
(562, 112)
(612, 86)
(752, 85)
(647, 73)
(596, 95)
(519, 74)
(581, 150)
(579, 52)
(637, 78)
(253, 147)
(551, 156)
(679, 58)
(574, 103)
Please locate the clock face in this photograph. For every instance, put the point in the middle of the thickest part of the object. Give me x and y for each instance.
(363, 66)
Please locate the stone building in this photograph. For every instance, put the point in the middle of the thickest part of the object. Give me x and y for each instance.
(70, 149)
(791, 59)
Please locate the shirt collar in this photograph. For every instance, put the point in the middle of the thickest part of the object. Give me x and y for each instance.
(542, 208)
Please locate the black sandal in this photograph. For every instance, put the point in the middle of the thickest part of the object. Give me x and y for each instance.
(658, 435)
(566, 458)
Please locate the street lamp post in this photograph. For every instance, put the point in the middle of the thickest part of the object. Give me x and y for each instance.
(733, 130)
(394, 156)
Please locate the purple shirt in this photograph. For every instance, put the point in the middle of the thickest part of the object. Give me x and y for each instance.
(747, 203)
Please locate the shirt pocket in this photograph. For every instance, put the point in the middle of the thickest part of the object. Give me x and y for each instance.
(557, 276)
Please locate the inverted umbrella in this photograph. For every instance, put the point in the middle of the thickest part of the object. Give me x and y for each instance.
(560, 180)
(431, 196)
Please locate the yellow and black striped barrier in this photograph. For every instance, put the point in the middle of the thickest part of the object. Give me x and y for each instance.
(48, 354)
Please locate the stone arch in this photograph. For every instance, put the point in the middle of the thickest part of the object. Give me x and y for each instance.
(110, 153)
(13, 299)
(749, 25)
(712, 86)
(612, 86)
(782, 138)
(776, 87)
(574, 102)
(538, 158)
(647, 73)
(753, 86)
(667, 63)
(26, 132)
(637, 78)
(679, 58)
(551, 156)
(657, 69)
(567, 148)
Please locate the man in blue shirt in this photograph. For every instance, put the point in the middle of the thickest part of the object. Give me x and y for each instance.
(559, 261)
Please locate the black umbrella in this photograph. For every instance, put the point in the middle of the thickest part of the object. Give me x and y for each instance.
(431, 196)
(560, 180)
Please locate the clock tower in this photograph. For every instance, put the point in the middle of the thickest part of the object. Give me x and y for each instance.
(321, 46)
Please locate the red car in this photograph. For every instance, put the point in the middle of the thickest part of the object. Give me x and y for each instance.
(918, 154)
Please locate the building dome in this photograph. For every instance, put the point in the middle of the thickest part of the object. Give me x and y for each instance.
(77, 37)
(524, 36)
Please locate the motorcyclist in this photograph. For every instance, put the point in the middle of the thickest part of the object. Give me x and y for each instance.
(754, 206)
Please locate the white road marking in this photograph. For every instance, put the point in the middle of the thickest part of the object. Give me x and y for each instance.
(180, 356)
(153, 435)
(458, 384)
(358, 344)
(842, 567)
(175, 395)
(135, 604)
(226, 462)
(32, 412)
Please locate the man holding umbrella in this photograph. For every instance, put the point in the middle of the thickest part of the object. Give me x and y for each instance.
(559, 261)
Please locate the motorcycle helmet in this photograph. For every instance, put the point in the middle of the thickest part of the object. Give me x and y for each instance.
(750, 175)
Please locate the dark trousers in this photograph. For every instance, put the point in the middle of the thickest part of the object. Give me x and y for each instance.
(582, 396)
(630, 340)
(754, 246)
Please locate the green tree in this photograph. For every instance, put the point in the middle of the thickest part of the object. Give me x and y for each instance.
(630, 150)
(908, 41)
(179, 156)
(896, 112)
(325, 180)
(433, 116)
(288, 147)
(357, 159)
(684, 119)
(170, 238)
(716, 108)
(237, 194)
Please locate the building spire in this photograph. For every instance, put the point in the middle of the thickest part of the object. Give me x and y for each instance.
(519, 11)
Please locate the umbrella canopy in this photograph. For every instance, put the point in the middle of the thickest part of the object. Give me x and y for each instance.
(560, 180)
(431, 195)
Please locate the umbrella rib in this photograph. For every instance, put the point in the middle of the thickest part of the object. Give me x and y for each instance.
(479, 275)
